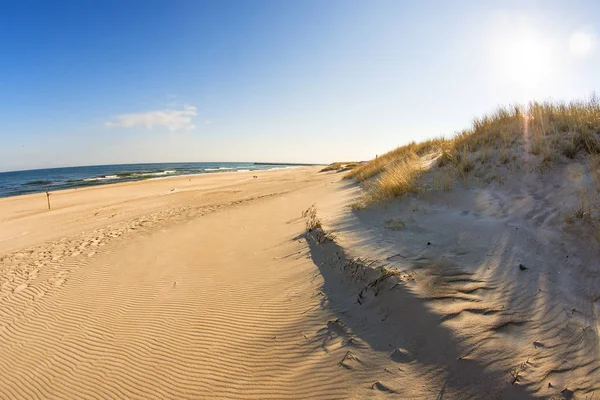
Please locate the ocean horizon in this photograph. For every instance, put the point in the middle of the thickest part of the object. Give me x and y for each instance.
(16, 183)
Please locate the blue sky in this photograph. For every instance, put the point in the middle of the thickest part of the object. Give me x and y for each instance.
(307, 81)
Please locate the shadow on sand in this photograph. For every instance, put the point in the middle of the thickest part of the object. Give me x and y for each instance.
(383, 312)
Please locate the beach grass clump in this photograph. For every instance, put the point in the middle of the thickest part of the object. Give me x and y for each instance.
(570, 147)
(550, 132)
(340, 166)
(389, 160)
(399, 179)
(349, 167)
(312, 220)
(314, 227)
(588, 141)
(584, 209)
(445, 158)
(586, 213)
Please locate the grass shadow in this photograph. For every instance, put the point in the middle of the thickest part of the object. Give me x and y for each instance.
(388, 316)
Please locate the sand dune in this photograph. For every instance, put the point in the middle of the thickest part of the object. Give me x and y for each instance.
(508, 285)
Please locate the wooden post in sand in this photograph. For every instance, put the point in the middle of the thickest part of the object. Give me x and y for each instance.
(48, 197)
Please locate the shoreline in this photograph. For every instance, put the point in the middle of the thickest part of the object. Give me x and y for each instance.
(166, 163)
(181, 176)
(26, 218)
(19, 183)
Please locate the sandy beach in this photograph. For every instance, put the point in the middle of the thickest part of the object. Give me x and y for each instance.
(300, 200)
(190, 287)
(211, 287)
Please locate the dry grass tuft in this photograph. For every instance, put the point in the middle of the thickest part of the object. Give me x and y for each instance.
(588, 141)
(314, 227)
(584, 206)
(390, 160)
(504, 156)
(586, 211)
(312, 220)
(398, 179)
(358, 205)
(570, 148)
(536, 145)
(445, 158)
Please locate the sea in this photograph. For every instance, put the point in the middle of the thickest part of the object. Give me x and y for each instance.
(35, 181)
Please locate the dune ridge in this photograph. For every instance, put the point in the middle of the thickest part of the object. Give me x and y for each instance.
(497, 230)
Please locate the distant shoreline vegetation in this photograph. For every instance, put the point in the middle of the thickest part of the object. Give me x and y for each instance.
(290, 164)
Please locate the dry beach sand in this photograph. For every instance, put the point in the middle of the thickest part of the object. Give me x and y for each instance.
(210, 287)
(137, 290)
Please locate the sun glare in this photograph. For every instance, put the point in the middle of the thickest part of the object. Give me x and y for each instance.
(522, 55)
(526, 61)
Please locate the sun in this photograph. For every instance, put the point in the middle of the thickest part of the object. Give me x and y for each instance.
(526, 60)
(522, 56)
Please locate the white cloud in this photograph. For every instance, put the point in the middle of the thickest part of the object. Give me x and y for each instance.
(583, 42)
(173, 120)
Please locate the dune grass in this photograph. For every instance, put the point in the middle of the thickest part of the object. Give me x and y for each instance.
(340, 166)
(376, 166)
(547, 131)
(314, 227)
(312, 220)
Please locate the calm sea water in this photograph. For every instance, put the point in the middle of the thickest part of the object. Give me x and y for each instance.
(35, 181)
